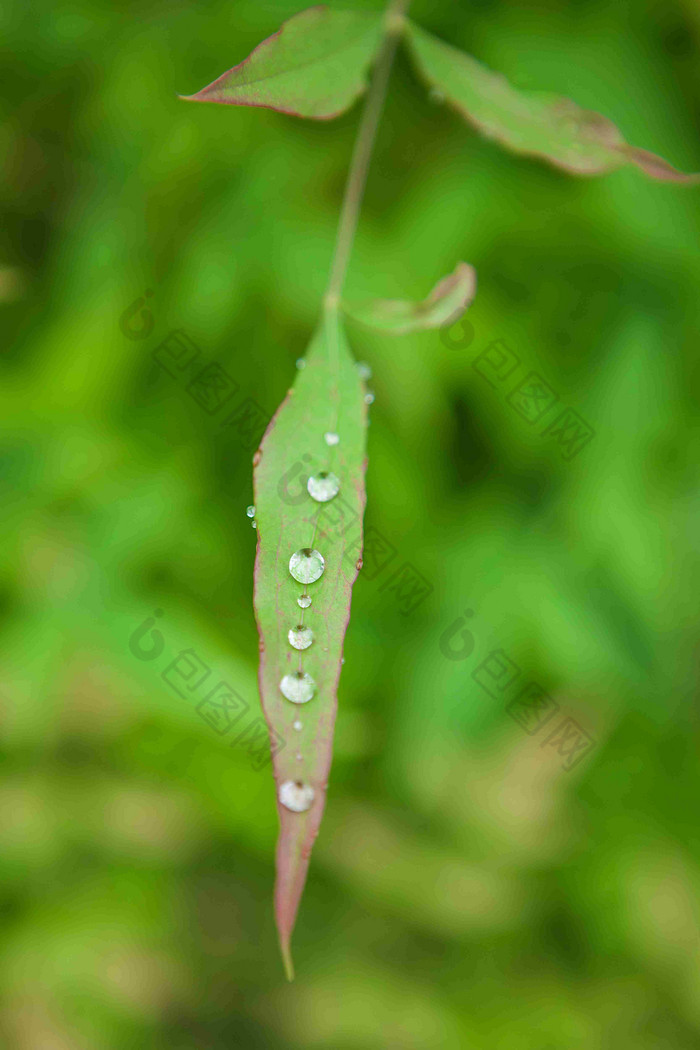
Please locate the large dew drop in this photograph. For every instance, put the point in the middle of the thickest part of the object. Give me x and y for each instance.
(304, 601)
(296, 796)
(298, 687)
(307, 565)
(323, 487)
(300, 637)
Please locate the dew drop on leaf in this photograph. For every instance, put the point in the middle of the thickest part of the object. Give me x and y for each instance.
(323, 487)
(369, 398)
(304, 601)
(301, 363)
(296, 796)
(300, 637)
(307, 565)
(331, 438)
(365, 372)
(250, 511)
(298, 725)
(298, 687)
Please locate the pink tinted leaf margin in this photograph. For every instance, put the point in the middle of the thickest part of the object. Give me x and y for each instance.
(314, 66)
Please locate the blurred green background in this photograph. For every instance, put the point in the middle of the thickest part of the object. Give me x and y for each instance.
(467, 890)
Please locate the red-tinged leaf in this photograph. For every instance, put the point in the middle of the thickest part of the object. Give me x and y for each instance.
(327, 399)
(543, 125)
(315, 65)
(447, 302)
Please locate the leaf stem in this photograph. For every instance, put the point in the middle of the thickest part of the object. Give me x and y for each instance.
(362, 153)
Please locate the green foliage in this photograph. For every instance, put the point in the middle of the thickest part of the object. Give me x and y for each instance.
(327, 398)
(556, 129)
(444, 306)
(314, 66)
(465, 890)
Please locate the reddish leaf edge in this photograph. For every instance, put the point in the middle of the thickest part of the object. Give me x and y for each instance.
(286, 916)
(651, 164)
(463, 272)
(201, 96)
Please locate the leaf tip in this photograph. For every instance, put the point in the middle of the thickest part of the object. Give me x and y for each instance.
(287, 960)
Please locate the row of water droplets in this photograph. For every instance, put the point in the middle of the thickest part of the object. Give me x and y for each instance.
(307, 566)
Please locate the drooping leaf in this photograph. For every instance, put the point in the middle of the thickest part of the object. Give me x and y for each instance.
(313, 66)
(327, 399)
(449, 299)
(544, 125)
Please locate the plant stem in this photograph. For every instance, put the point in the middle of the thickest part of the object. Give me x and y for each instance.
(362, 153)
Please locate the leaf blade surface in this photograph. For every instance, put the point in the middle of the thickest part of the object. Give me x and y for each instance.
(314, 66)
(538, 124)
(327, 397)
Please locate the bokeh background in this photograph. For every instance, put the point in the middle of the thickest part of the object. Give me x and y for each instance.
(468, 889)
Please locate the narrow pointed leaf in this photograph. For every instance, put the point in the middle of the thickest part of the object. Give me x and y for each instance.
(327, 398)
(315, 65)
(544, 125)
(449, 299)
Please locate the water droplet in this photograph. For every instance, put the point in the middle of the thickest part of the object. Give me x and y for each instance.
(296, 796)
(250, 511)
(358, 564)
(301, 363)
(437, 96)
(307, 565)
(323, 487)
(304, 601)
(298, 687)
(300, 637)
(254, 523)
(298, 725)
(365, 372)
(257, 457)
(300, 757)
(331, 438)
(343, 660)
(369, 398)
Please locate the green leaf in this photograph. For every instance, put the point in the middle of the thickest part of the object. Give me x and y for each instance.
(313, 66)
(449, 299)
(540, 124)
(327, 398)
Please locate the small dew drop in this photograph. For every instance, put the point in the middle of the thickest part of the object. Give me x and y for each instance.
(304, 601)
(358, 564)
(298, 725)
(437, 96)
(300, 757)
(254, 523)
(323, 487)
(296, 796)
(342, 660)
(298, 687)
(364, 371)
(257, 457)
(250, 511)
(307, 565)
(300, 637)
(331, 438)
(301, 364)
(369, 398)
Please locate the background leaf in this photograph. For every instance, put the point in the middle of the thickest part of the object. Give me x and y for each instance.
(313, 66)
(327, 397)
(544, 125)
(446, 303)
